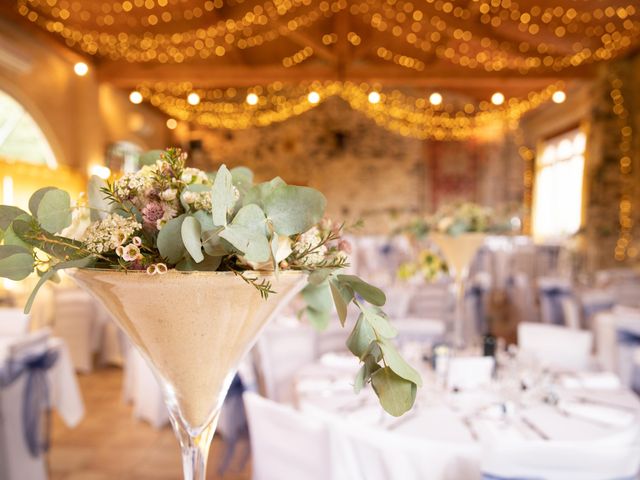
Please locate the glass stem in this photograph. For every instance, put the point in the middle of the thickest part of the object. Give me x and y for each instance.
(195, 450)
(458, 328)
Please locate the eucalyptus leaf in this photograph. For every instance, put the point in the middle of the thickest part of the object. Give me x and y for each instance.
(247, 233)
(212, 243)
(16, 263)
(360, 338)
(169, 241)
(319, 319)
(293, 209)
(98, 203)
(209, 264)
(222, 196)
(398, 364)
(371, 294)
(206, 223)
(190, 232)
(259, 192)
(54, 210)
(10, 237)
(7, 214)
(378, 321)
(62, 248)
(318, 297)
(319, 276)
(339, 299)
(242, 179)
(36, 198)
(396, 394)
(49, 274)
(150, 157)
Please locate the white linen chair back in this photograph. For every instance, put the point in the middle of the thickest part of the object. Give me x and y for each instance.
(558, 306)
(13, 321)
(555, 346)
(16, 462)
(285, 443)
(561, 460)
(74, 321)
(282, 349)
(367, 454)
(426, 332)
(431, 301)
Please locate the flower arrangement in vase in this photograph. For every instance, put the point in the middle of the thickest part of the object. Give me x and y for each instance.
(189, 264)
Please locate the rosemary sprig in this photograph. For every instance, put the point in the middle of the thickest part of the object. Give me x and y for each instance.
(263, 286)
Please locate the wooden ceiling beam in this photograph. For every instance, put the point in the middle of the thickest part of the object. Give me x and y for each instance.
(203, 75)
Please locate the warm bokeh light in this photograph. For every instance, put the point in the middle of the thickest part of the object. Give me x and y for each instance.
(374, 97)
(100, 171)
(193, 98)
(497, 98)
(435, 98)
(135, 97)
(81, 69)
(313, 97)
(559, 96)
(252, 99)
(172, 123)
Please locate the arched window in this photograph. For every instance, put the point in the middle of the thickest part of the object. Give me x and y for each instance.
(21, 139)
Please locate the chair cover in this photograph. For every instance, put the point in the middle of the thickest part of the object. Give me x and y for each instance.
(13, 321)
(555, 346)
(74, 321)
(286, 444)
(558, 305)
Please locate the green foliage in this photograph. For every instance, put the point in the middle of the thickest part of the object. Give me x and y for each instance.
(190, 232)
(150, 157)
(170, 244)
(396, 394)
(242, 179)
(259, 192)
(16, 263)
(370, 293)
(292, 209)
(53, 210)
(29, 231)
(222, 196)
(247, 232)
(7, 214)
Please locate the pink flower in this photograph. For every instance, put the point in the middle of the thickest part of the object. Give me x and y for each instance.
(344, 246)
(152, 212)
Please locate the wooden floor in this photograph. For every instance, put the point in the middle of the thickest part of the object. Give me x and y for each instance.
(110, 444)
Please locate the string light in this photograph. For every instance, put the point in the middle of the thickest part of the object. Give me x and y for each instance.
(374, 97)
(313, 97)
(172, 123)
(559, 96)
(81, 69)
(624, 248)
(135, 97)
(394, 110)
(435, 99)
(252, 99)
(497, 98)
(193, 99)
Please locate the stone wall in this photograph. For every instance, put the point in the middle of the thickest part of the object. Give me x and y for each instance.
(365, 171)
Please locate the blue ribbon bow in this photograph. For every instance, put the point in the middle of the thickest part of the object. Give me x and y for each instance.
(35, 397)
(476, 292)
(554, 296)
(630, 339)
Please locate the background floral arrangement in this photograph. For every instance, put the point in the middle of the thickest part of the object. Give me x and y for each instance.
(428, 266)
(169, 216)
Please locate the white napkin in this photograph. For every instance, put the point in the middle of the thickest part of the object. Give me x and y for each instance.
(598, 413)
(591, 381)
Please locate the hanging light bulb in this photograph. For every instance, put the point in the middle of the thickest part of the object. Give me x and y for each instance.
(252, 98)
(172, 123)
(313, 97)
(497, 98)
(81, 69)
(135, 97)
(559, 96)
(193, 98)
(435, 99)
(374, 97)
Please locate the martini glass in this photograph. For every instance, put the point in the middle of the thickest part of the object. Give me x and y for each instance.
(459, 251)
(192, 328)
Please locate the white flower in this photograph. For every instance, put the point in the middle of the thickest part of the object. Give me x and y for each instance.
(108, 234)
(137, 241)
(131, 253)
(80, 221)
(169, 194)
(284, 248)
(189, 197)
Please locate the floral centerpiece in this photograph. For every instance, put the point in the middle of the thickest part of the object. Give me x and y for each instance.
(168, 250)
(428, 266)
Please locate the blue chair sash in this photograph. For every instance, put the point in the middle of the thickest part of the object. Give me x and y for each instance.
(236, 418)
(590, 309)
(476, 294)
(627, 341)
(35, 396)
(553, 296)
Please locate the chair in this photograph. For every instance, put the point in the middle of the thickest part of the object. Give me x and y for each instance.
(17, 462)
(422, 330)
(74, 321)
(553, 460)
(431, 301)
(558, 305)
(13, 321)
(555, 346)
(285, 443)
(143, 389)
(283, 348)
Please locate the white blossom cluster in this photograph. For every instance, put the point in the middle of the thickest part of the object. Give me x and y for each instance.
(198, 200)
(132, 185)
(310, 240)
(108, 234)
(191, 176)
